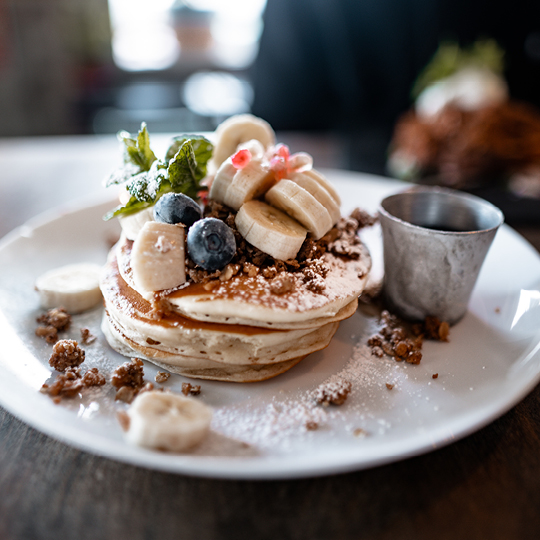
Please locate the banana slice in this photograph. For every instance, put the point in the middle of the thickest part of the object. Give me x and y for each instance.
(249, 183)
(325, 183)
(222, 180)
(167, 421)
(270, 230)
(133, 223)
(256, 149)
(300, 205)
(157, 257)
(74, 287)
(321, 194)
(237, 130)
(233, 187)
(301, 161)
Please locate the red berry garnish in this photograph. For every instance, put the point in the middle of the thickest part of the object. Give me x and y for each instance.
(282, 150)
(203, 196)
(241, 159)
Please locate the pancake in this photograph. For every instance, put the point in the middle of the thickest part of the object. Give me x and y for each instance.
(184, 342)
(200, 370)
(248, 300)
(236, 330)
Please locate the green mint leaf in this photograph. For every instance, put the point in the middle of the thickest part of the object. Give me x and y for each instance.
(450, 58)
(146, 185)
(202, 148)
(488, 54)
(182, 173)
(143, 153)
(186, 171)
(122, 175)
(138, 156)
(132, 206)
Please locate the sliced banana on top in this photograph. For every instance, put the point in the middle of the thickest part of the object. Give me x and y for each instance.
(249, 183)
(270, 230)
(255, 147)
(133, 223)
(301, 161)
(237, 130)
(158, 258)
(325, 183)
(74, 287)
(167, 421)
(222, 180)
(319, 192)
(300, 205)
(233, 187)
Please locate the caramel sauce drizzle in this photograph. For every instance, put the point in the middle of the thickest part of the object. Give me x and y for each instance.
(122, 295)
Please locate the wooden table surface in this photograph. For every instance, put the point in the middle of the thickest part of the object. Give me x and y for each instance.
(484, 486)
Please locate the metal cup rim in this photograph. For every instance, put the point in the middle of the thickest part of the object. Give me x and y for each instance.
(445, 192)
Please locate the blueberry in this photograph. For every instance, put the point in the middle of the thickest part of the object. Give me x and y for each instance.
(177, 208)
(211, 244)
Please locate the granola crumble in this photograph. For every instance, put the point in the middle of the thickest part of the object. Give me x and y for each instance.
(93, 378)
(404, 342)
(87, 337)
(229, 271)
(341, 240)
(66, 353)
(435, 329)
(59, 318)
(189, 389)
(250, 269)
(282, 284)
(49, 333)
(364, 219)
(129, 374)
(347, 243)
(316, 285)
(335, 392)
(53, 321)
(67, 384)
(162, 376)
(392, 340)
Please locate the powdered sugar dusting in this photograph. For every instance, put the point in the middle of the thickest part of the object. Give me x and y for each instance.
(163, 245)
(283, 424)
(272, 426)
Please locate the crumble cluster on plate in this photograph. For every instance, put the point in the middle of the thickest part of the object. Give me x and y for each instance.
(404, 341)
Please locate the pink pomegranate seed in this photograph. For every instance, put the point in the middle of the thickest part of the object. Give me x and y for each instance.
(282, 150)
(279, 166)
(241, 159)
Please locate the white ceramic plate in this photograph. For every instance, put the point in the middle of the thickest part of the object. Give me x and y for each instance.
(259, 430)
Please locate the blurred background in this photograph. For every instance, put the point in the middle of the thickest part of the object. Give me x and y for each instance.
(340, 70)
(78, 66)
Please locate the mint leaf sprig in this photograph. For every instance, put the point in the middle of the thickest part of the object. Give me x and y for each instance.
(148, 178)
(138, 156)
(450, 58)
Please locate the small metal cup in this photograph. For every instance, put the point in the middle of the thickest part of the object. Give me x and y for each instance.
(435, 241)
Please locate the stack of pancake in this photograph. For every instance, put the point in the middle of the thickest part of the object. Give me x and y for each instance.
(237, 330)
